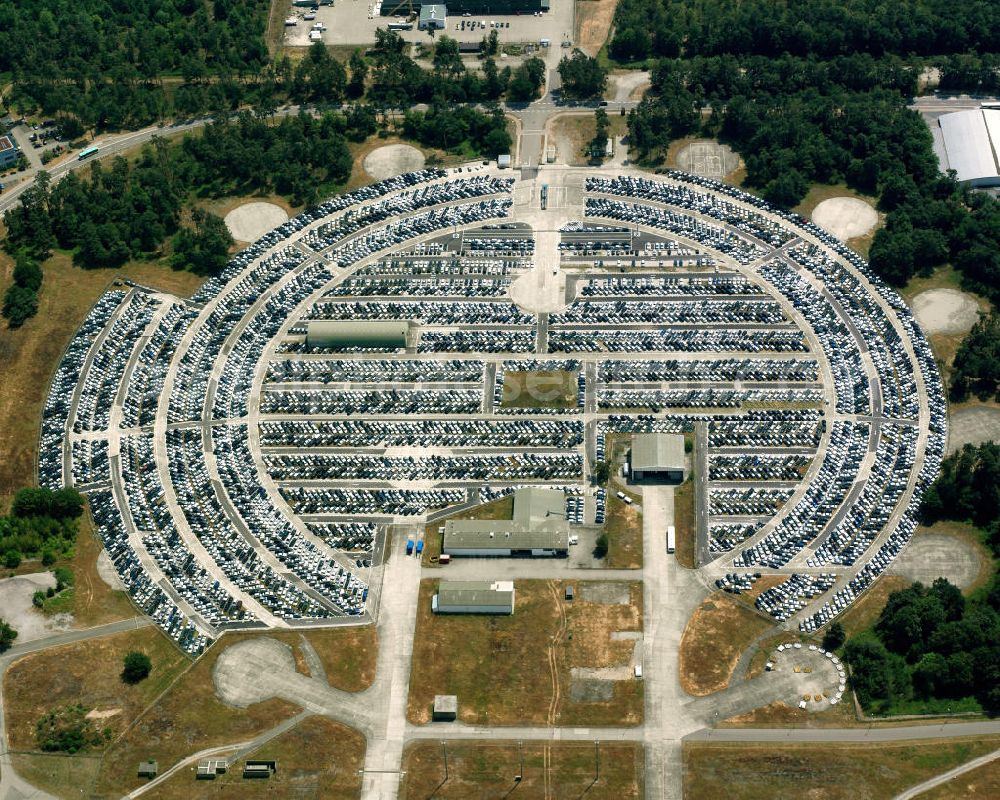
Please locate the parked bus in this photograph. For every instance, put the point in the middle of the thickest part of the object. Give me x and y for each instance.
(671, 539)
(86, 153)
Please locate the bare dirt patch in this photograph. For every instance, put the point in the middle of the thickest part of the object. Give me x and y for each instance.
(393, 159)
(973, 424)
(944, 551)
(593, 24)
(250, 221)
(945, 311)
(718, 632)
(708, 158)
(845, 217)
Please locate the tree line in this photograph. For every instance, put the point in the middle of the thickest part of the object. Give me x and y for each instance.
(667, 28)
(976, 368)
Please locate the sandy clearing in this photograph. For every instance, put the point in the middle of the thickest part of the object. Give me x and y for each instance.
(845, 217)
(945, 311)
(16, 607)
(393, 159)
(247, 223)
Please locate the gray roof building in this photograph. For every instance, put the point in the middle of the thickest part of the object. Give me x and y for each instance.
(341, 333)
(474, 597)
(657, 454)
(432, 17)
(538, 527)
(970, 145)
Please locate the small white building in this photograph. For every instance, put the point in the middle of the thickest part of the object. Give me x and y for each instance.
(503, 161)
(432, 18)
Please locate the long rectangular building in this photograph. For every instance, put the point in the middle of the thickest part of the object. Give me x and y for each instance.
(474, 597)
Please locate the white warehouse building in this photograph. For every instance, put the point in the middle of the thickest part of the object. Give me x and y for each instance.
(969, 144)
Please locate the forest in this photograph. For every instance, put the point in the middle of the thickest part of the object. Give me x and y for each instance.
(109, 214)
(976, 368)
(931, 644)
(801, 121)
(42, 523)
(667, 28)
(931, 649)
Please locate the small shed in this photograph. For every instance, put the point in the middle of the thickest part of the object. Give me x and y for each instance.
(148, 769)
(570, 593)
(259, 769)
(210, 768)
(445, 708)
(503, 161)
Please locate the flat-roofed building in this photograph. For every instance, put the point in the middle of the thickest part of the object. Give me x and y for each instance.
(474, 597)
(969, 144)
(538, 528)
(432, 18)
(657, 457)
(340, 334)
(8, 152)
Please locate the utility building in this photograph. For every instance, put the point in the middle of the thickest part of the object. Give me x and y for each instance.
(657, 457)
(349, 333)
(432, 18)
(538, 528)
(474, 597)
(479, 7)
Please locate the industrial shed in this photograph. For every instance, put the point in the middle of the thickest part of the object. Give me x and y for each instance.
(538, 528)
(474, 597)
(657, 457)
(496, 7)
(969, 144)
(340, 334)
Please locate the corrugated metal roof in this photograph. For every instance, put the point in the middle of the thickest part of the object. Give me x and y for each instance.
(475, 593)
(657, 451)
(967, 143)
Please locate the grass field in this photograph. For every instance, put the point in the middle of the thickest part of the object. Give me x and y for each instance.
(89, 674)
(516, 669)
(540, 389)
(684, 523)
(486, 770)
(623, 527)
(781, 715)
(318, 759)
(718, 632)
(572, 133)
(501, 508)
(29, 355)
(94, 602)
(189, 718)
(982, 783)
(868, 771)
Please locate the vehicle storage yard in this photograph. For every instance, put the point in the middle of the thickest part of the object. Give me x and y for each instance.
(244, 474)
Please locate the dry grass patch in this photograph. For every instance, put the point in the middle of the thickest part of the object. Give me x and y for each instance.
(348, 654)
(94, 602)
(501, 508)
(684, 524)
(766, 647)
(486, 770)
(718, 632)
(317, 759)
(623, 527)
(865, 611)
(593, 24)
(982, 783)
(87, 673)
(571, 133)
(539, 389)
(867, 771)
(508, 670)
(29, 355)
(189, 717)
(780, 715)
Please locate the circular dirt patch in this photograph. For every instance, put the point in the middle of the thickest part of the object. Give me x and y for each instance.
(937, 555)
(709, 159)
(392, 160)
(973, 426)
(945, 311)
(251, 221)
(845, 217)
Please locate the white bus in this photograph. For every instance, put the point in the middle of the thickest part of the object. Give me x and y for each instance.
(671, 539)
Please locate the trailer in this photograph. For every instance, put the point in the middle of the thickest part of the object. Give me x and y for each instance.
(671, 539)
